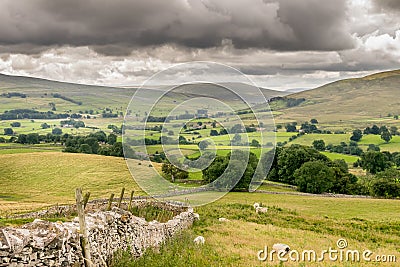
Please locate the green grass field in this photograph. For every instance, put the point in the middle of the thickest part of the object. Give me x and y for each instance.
(33, 180)
(304, 223)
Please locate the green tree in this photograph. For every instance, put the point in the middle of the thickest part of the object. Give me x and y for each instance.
(374, 162)
(319, 145)
(357, 135)
(85, 148)
(292, 158)
(117, 150)
(111, 139)
(44, 126)
(393, 130)
(15, 124)
(56, 131)
(8, 131)
(255, 143)
(386, 136)
(373, 147)
(229, 177)
(93, 143)
(213, 133)
(396, 160)
(173, 172)
(375, 130)
(290, 128)
(22, 139)
(314, 121)
(32, 138)
(314, 177)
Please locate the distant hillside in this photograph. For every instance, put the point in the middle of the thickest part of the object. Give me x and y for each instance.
(66, 96)
(41, 94)
(373, 96)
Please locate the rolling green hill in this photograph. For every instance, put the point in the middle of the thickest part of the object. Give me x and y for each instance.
(40, 93)
(369, 98)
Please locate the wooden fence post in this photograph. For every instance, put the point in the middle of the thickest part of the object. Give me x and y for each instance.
(86, 199)
(82, 228)
(110, 201)
(121, 197)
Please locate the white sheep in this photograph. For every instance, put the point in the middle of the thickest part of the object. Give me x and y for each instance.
(199, 240)
(280, 247)
(223, 219)
(196, 216)
(260, 209)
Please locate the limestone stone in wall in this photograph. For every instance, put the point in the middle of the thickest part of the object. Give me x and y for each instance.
(43, 243)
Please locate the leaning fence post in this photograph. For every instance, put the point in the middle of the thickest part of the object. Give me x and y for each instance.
(82, 228)
(110, 201)
(121, 197)
(86, 199)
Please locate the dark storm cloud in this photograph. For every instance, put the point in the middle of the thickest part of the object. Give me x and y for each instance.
(387, 5)
(116, 27)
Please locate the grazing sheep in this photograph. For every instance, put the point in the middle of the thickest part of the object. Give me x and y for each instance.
(196, 216)
(223, 220)
(281, 247)
(199, 240)
(261, 210)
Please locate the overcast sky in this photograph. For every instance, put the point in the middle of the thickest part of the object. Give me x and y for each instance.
(279, 44)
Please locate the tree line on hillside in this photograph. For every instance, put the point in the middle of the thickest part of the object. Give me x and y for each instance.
(16, 114)
(312, 172)
(385, 132)
(99, 143)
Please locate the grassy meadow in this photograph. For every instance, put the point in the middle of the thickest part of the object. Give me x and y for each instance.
(33, 180)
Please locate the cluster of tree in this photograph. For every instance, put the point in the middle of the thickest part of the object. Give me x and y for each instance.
(99, 143)
(57, 95)
(15, 124)
(310, 170)
(240, 164)
(385, 133)
(8, 131)
(375, 161)
(14, 94)
(109, 115)
(306, 127)
(222, 131)
(349, 149)
(156, 119)
(379, 130)
(91, 111)
(150, 141)
(173, 172)
(35, 138)
(309, 128)
(44, 125)
(90, 143)
(115, 129)
(16, 114)
(73, 123)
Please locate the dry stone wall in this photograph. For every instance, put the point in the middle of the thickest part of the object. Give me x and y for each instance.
(43, 243)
